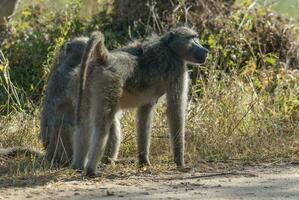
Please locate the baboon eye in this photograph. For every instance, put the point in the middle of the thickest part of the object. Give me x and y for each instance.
(194, 38)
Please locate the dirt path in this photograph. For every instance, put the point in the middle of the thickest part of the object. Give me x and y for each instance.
(252, 183)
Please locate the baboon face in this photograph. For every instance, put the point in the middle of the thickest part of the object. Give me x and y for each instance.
(184, 42)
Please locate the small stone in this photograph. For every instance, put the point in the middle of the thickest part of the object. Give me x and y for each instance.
(109, 193)
(145, 193)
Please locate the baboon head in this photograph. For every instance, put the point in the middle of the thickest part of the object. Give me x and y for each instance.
(184, 43)
(75, 46)
(72, 50)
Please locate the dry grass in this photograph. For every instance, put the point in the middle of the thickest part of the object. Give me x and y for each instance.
(231, 121)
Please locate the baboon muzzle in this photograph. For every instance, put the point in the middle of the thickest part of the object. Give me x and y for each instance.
(200, 54)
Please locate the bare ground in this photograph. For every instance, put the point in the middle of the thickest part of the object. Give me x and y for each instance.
(262, 182)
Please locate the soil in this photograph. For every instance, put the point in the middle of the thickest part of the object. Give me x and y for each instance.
(279, 182)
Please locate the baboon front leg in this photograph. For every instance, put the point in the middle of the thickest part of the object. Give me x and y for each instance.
(112, 149)
(176, 100)
(144, 123)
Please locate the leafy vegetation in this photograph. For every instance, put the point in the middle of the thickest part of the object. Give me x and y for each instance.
(244, 102)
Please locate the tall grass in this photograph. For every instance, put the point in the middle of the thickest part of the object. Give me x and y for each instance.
(230, 120)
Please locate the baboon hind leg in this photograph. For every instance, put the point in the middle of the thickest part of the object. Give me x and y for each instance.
(98, 142)
(103, 113)
(113, 144)
(80, 144)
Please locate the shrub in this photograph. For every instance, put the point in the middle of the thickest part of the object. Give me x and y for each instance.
(29, 46)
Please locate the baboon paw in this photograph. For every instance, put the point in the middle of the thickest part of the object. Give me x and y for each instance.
(147, 164)
(108, 161)
(145, 167)
(90, 173)
(144, 163)
(77, 168)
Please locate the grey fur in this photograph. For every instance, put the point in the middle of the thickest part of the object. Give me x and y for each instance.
(144, 118)
(58, 108)
(117, 80)
(7, 9)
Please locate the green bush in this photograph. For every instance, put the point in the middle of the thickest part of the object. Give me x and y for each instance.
(30, 45)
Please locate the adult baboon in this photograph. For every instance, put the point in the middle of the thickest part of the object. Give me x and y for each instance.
(7, 9)
(58, 108)
(111, 81)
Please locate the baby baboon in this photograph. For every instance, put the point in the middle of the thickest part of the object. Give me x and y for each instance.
(7, 9)
(58, 109)
(111, 81)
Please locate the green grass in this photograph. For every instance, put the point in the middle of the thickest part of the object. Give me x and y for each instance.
(288, 8)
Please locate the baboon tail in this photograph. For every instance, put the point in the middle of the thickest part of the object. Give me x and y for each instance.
(14, 151)
(95, 47)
